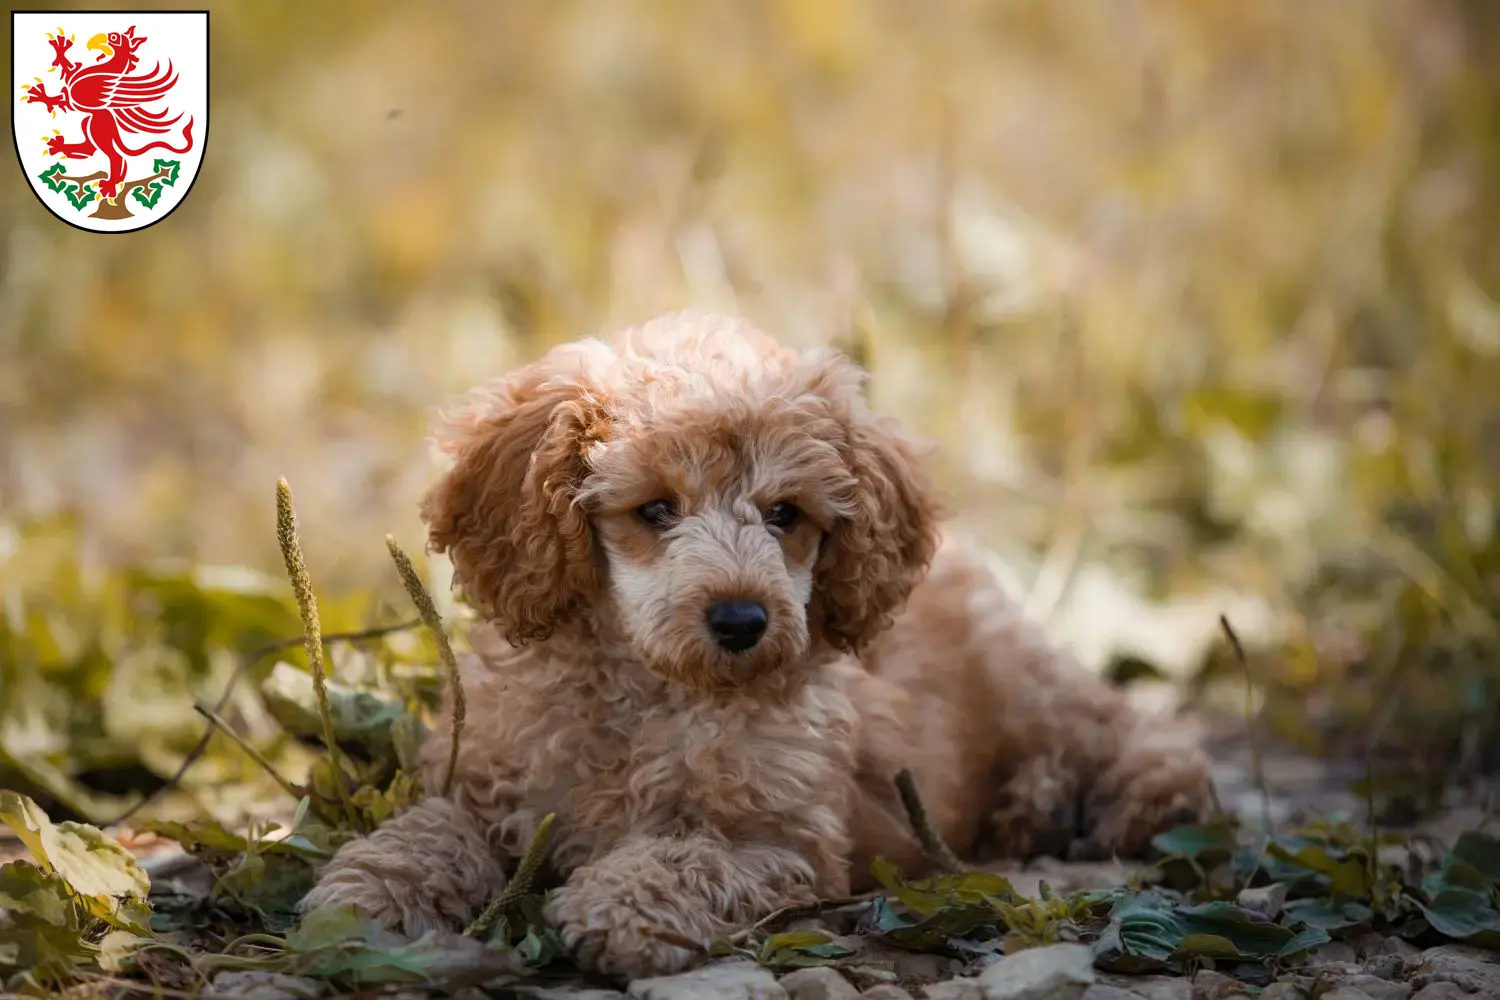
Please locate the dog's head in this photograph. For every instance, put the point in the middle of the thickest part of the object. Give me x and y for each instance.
(722, 503)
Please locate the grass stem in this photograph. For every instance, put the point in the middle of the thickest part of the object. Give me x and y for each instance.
(312, 629)
(423, 600)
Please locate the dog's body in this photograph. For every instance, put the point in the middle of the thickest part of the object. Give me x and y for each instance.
(720, 620)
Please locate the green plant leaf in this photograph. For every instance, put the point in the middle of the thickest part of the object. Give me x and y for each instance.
(799, 949)
(173, 168)
(148, 200)
(200, 837)
(90, 863)
(26, 888)
(540, 947)
(1464, 916)
(1143, 934)
(117, 951)
(1310, 937)
(930, 895)
(1347, 876)
(1148, 932)
(1212, 842)
(362, 720)
(30, 943)
(80, 195)
(1480, 851)
(1333, 918)
(345, 943)
(1206, 946)
(55, 176)
(1253, 935)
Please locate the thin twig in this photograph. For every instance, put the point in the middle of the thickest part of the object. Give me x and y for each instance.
(250, 751)
(247, 661)
(677, 939)
(307, 604)
(1385, 715)
(797, 910)
(1257, 764)
(520, 884)
(423, 600)
(932, 843)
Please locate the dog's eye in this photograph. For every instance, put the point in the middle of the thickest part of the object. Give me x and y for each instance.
(659, 514)
(782, 515)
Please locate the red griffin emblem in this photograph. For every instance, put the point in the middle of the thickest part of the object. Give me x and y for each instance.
(114, 100)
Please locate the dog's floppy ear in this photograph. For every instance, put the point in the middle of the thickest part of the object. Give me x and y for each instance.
(873, 558)
(505, 513)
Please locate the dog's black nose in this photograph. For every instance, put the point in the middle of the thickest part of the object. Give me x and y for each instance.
(738, 625)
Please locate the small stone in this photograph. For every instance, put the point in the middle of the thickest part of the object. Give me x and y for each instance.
(1099, 991)
(1152, 987)
(255, 985)
(1383, 966)
(1282, 991)
(1211, 985)
(729, 980)
(570, 992)
(904, 966)
(1266, 900)
(885, 991)
(954, 989)
(865, 976)
(818, 983)
(1441, 991)
(1334, 953)
(1369, 943)
(1056, 972)
(1346, 993)
(1378, 989)
(1471, 968)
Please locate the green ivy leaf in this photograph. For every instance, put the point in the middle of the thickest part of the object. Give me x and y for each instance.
(55, 176)
(147, 200)
(80, 195)
(173, 168)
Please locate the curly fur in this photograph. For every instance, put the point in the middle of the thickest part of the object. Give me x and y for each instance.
(697, 789)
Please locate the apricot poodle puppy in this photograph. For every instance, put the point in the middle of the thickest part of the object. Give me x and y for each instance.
(720, 617)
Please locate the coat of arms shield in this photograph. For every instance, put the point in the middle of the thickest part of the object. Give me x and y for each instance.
(110, 112)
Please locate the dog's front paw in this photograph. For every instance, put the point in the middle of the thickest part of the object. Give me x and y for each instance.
(430, 868)
(376, 897)
(617, 934)
(1152, 788)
